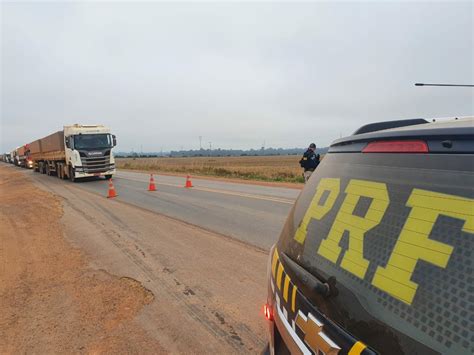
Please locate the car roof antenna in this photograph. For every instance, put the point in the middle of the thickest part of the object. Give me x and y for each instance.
(455, 85)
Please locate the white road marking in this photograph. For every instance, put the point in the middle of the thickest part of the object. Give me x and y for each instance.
(232, 193)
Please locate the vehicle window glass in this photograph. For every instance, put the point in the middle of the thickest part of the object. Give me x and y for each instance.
(91, 141)
(397, 231)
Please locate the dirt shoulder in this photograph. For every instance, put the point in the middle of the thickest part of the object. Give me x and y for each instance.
(181, 289)
(52, 300)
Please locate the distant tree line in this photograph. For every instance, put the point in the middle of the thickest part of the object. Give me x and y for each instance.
(219, 153)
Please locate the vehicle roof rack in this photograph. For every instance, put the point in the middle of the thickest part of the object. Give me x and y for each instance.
(378, 126)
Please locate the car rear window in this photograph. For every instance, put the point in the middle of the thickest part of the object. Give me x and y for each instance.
(397, 230)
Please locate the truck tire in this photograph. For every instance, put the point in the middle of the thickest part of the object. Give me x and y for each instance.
(108, 177)
(71, 174)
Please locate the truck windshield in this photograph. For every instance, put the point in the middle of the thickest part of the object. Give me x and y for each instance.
(92, 141)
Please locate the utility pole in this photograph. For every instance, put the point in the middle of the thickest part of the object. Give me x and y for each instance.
(200, 142)
(210, 148)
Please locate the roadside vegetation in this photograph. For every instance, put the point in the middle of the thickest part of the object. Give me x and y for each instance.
(283, 168)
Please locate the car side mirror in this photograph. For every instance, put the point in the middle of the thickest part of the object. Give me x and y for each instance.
(67, 142)
(114, 140)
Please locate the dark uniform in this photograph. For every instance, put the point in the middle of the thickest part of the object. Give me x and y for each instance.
(309, 162)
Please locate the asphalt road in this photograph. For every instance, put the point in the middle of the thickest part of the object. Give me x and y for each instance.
(253, 214)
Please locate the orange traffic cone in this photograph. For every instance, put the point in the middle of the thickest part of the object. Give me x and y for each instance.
(151, 186)
(112, 192)
(188, 182)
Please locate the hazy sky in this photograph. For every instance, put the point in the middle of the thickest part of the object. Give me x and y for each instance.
(163, 74)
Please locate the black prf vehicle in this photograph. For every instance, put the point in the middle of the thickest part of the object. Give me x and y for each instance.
(377, 254)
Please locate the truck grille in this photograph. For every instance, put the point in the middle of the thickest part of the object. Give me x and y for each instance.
(96, 164)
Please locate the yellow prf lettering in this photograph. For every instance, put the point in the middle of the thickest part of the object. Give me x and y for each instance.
(316, 210)
(414, 244)
(353, 260)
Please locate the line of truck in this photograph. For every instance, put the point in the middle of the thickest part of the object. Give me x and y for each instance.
(75, 152)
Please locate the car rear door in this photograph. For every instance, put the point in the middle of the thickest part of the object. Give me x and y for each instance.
(396, 232)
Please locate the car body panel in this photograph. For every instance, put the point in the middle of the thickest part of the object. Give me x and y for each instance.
(396, 231)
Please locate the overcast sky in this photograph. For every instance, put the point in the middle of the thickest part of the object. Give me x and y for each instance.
(163, 74)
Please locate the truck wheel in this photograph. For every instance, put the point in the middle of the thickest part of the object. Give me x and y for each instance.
(108, 177)
(71, 174)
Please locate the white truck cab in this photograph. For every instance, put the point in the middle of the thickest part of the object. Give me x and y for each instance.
(88, 151)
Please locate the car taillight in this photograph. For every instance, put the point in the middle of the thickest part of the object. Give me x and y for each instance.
(408, 146)
(268, 312)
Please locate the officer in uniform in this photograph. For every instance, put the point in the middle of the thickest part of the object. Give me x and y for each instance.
(310, 161)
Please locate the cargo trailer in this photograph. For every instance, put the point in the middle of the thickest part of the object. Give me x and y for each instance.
(77, 151)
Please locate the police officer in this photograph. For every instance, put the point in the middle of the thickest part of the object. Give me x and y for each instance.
(310, 161)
